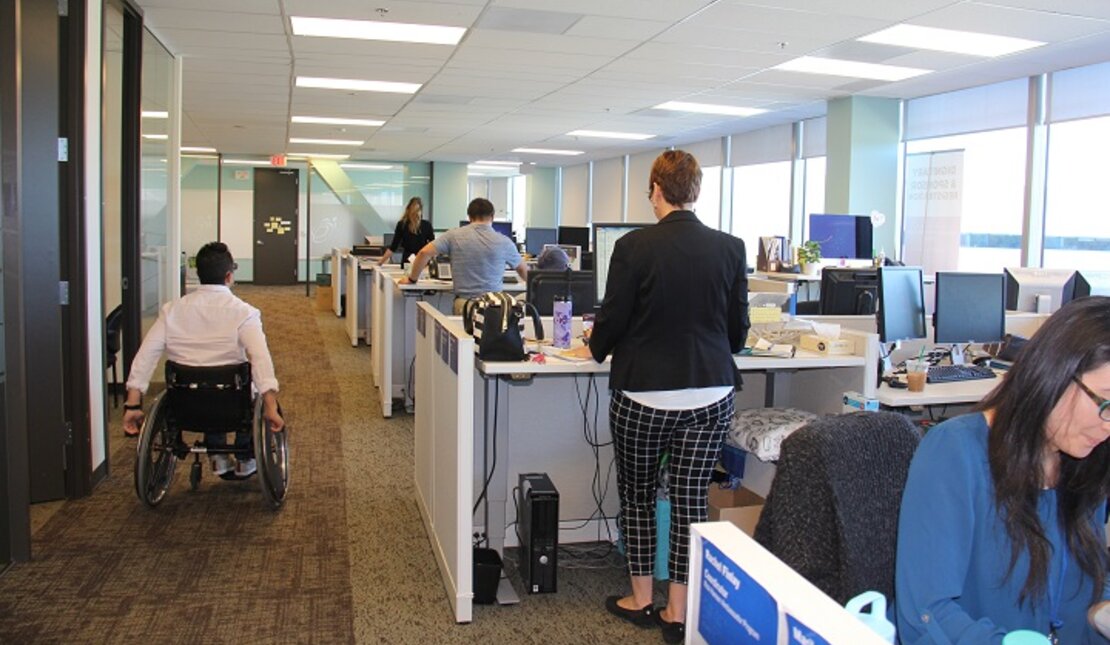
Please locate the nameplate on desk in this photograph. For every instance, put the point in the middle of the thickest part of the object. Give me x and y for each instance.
(798, 634)
(734, 607)
(421, 322)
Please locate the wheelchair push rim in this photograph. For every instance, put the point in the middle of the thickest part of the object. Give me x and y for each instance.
(155, 461)
(272, 452)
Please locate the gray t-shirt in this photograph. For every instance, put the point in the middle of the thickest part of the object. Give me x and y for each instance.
(479, 257)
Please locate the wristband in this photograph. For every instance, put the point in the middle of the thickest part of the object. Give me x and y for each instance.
(129, 407)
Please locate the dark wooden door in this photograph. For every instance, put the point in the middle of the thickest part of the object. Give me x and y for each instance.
(276, 191)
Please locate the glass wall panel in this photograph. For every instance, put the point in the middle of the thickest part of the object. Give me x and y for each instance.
(157, 269)
(708, 206)
(1077, 211)
(199, 207)
(814, 193)
(760, 203)
(993, 193)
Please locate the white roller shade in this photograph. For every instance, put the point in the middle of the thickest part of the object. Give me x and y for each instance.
(708, 153)
(639, 170)
(814, 137)
(575, 179)
(987, 107)
(1080, 93)
(608, 177)
(761, 146)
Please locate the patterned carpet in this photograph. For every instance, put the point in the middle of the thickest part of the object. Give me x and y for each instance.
(346, 560)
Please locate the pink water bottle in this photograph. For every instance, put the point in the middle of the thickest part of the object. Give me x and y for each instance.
(562, 312)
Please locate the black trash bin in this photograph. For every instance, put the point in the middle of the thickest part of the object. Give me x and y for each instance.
(487, 575)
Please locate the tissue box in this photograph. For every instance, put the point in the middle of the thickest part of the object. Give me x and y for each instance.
(826, 346)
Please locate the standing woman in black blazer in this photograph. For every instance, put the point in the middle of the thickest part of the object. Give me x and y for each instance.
(675, 311)
(412, 233)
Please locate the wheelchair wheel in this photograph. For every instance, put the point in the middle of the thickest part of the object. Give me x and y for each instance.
(155, 459)
(272, 452)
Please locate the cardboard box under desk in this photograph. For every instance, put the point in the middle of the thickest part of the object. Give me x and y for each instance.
(739, 506)
(323, 298)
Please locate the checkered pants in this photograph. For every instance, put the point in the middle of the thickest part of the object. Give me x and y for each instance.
(640, 435)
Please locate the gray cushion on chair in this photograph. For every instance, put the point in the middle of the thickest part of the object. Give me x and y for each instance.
(832, 512)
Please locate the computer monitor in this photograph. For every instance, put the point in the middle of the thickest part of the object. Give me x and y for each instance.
(504, 228)
(1038, 290)
(1089, 283)
(463, 222)
(577, 235)
(901, 314)
(849, 292)
(536, 238)
(387, 239)
(842, 236)
(544, 286)
(605, 236)
(970, 308)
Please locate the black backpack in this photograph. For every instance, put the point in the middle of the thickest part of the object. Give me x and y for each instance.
(496, 320)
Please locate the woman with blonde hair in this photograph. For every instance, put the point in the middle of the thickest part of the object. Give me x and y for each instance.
(413, 232)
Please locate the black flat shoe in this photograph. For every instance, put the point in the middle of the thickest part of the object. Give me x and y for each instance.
(672, 632)
(639, 617)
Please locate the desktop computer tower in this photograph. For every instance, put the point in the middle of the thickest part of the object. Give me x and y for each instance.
(538, 521)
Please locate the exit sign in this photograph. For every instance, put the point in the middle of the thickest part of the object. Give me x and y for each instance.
(277, 160)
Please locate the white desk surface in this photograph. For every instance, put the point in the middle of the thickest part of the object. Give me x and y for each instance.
(788, 277)
(938, 393)
(429, 284)
(554, 365)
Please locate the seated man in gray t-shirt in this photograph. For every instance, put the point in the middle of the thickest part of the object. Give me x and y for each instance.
(479, 254)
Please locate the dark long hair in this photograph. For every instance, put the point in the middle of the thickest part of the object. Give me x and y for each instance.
(1073, 341)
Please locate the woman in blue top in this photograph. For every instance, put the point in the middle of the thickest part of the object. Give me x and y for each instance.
(1002, 518)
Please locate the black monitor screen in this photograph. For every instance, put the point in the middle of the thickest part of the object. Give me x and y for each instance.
(544, 286)
(504, 228)
(576, 235)
(605, 236)
(970, 308)
(464, 222)
(536, 238)
(901, 304)
(842, 236)
(1032, 289)
(849, 292)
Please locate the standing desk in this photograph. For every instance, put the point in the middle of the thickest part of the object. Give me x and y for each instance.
(358, 270)
(540, 429)
(393, 330)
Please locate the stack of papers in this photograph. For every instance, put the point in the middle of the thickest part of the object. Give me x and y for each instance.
(765, 348)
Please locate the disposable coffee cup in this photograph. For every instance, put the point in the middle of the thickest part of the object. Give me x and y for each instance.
(916, 373)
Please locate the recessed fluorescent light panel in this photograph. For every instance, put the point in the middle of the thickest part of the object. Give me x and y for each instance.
(196, 149)
(601, 134)
(316, 155)
(357, 85)
(155, 114)
(850, 69)
(514, 164)
(245, 162)
(366, 166)
(328, 120)
(549, 151)
(483, 168)
(708, 108)
(950, 40)
(157, 137)
(373, 30)
(327, 142)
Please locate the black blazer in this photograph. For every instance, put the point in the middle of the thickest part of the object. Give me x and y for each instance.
(410, 242)
(675, 308)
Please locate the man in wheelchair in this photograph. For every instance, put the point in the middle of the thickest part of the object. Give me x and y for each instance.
(209, 327)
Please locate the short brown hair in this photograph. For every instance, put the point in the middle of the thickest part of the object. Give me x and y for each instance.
(480, 208)
(678, 175)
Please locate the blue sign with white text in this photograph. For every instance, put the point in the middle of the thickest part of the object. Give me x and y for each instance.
(734, 607)
(799, 634)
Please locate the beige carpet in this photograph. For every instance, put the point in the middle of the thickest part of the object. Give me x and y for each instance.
(346, 560)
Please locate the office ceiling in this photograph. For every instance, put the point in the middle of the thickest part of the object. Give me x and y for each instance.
(529, 71)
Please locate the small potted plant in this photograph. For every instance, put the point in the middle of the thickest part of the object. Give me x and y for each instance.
(809, 256)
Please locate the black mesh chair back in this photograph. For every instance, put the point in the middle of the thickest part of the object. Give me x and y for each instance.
(209, 399)
(113, 327)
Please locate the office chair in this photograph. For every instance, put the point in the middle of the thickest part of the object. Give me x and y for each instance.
(832, 512)
(112, 331)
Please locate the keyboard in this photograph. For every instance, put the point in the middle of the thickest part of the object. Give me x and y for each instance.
(953, 373)
(510, 280)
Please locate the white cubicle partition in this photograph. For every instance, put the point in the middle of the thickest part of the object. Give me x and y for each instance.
(740, 593)
(444, 450)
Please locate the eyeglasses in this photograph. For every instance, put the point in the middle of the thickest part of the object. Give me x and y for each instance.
(1102, 403)
(234, 266)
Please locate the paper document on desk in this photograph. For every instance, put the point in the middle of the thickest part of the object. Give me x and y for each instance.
(824, 330)
(764, 348)
(565, 354)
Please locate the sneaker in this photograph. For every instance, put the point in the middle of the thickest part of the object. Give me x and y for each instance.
(245, 468)
(221, 465)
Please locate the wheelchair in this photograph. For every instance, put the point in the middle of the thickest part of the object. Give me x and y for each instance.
(207, 399)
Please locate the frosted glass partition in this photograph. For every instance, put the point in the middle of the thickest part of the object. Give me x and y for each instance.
(156, 269)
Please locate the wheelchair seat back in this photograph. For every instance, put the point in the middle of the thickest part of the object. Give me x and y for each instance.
(209, 399)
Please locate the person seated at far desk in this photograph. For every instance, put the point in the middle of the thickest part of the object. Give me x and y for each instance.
(479, 255)
(553, 258)
(1002, 518)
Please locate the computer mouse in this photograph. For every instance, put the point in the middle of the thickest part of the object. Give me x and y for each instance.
(983, 360)
(897, 384)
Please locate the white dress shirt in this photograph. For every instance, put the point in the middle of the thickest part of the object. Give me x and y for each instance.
(208, 327)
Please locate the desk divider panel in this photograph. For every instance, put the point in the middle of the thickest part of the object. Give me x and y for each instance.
(444, 449)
